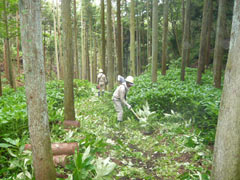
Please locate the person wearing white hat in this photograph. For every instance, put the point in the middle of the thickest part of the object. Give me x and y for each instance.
(102, 82)
(119, 97)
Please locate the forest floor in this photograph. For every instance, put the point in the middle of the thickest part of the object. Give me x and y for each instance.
(173, 150)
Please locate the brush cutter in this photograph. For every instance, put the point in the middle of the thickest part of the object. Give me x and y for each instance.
(135, 113)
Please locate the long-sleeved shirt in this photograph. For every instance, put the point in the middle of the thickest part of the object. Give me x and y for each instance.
(101, 78)
(120, 93)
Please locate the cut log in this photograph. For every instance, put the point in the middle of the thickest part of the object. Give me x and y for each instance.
(60, 148)
(63, 176)
(71, 124)
(60, 160)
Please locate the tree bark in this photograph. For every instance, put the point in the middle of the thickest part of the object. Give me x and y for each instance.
(186, 39)
(75, 39)
(84, 41)
(60, 43)
(110, 46)
(203, 41)
(103, 51)
(31, 35)
(8, 57)
(55, 41)
(149, 49)
(208, 46)
(119, 39)
(5, 59)
(94, 74)
(155, 41)
(132, 38)
(226, 161)
(164, 41)
(18, 43)
(183, 19)
(69, 112)
(218, 50)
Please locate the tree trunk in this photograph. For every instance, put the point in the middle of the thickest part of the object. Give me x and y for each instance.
(69, 112)
(203, 41)
(8, 58)
(55, 41)
(155, 41)
(226, 160)
(5, 59)
(149, 24)
(87, 54)
(44, 50)
(31, 35)
(75, 42)
(60, 43)
(103, 51)
(94, 74)
(110, 45)
(164, 41)
(186, 39)
(132, 38)
(218, 50)
(18, 43)
(208, 46)
(183, 19)
(119, 39)
(84, 41)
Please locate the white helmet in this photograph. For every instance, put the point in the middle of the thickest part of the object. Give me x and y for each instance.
(100, 70)
(129, 79)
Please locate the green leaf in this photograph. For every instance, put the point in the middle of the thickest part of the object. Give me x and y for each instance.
(3, 145)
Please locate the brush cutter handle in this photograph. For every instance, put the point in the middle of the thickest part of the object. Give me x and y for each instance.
(134, 113)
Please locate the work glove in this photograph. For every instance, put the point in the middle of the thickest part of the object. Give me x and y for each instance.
(129, 106)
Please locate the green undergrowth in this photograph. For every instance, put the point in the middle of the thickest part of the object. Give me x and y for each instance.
(172, 150)
(173, 139)
(14, 126)
(198, 103)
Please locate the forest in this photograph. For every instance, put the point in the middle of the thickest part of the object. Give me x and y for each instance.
(119, 89)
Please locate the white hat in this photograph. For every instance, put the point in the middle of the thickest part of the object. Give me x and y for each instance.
(100, 70)
(129, 79)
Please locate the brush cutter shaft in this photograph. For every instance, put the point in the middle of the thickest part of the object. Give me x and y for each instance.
(135, 113)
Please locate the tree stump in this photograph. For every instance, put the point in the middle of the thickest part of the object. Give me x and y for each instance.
(60, 160)
(60, 148)
(71, 124)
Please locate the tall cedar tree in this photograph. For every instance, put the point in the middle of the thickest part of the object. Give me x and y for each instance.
(31, 35)
(84, 40)
(186, 39)
(69, 112)
(209, 32)
(149, 37)
(18, 43)
(110, 45)
(218, 50)
(164, 41)
(154, 40)
(7, 46)
(226, 160)
(119, 39)
(203, 41)
(132, 37)
(75, 39)
(103, 50)
(55, 40)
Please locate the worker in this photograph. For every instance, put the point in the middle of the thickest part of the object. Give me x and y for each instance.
(119, 97)
(102, 82)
